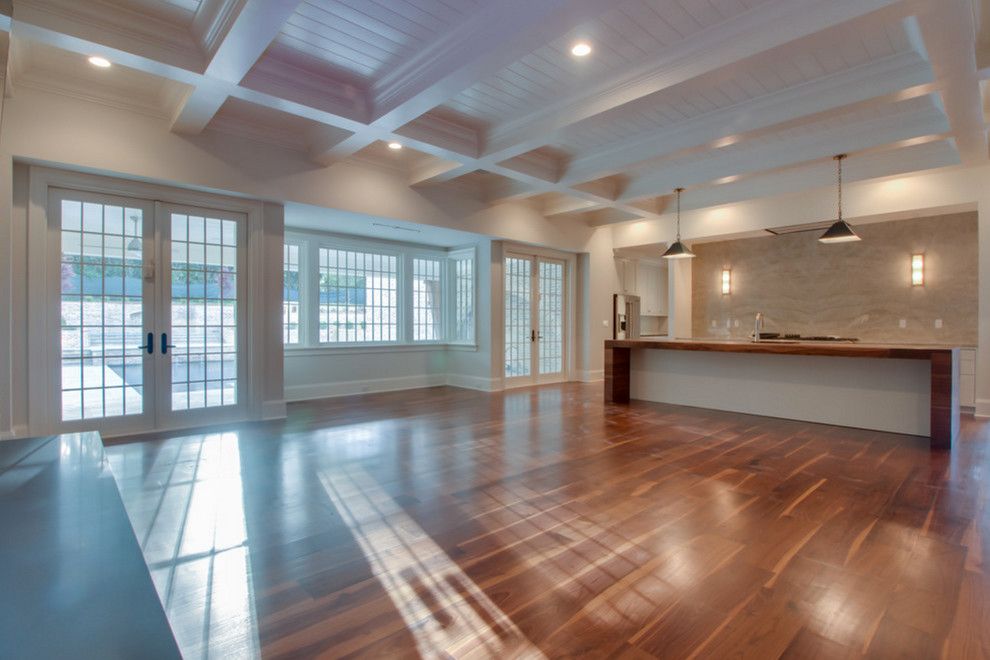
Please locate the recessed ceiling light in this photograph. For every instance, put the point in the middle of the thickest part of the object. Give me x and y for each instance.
(395, 145)
(581, 49)
(101, 62)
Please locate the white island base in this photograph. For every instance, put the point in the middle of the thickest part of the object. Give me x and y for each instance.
(908, 389)
(869, 393)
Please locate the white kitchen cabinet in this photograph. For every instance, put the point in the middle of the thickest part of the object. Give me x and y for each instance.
(652, 281)
(626, 269)
(967, 377)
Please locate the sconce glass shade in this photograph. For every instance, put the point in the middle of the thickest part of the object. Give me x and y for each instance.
(917, 270)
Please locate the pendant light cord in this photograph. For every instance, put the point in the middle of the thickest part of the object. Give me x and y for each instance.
(839, 160)
(679, 191)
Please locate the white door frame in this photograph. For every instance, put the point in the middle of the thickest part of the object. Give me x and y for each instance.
(43, 287)
(567, 363)
(166, 417)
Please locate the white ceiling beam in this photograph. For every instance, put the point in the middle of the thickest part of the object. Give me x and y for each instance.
(251, 26)
(881, 162)
(564, 204)
(42, 32)
(197, 108)
(788, 151)
(949, 35)
(875, 81)
(769, 25)
(496, 36)
(435, 170)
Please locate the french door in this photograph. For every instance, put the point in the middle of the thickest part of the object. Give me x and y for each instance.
(149, 316)
(535, 328)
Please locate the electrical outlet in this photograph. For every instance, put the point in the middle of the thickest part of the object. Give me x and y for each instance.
(938, 323)
(605, 323)
(903, 323)
(736, 323)
(714, 323)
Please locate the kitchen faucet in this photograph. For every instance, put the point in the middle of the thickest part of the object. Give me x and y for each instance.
(758, 329)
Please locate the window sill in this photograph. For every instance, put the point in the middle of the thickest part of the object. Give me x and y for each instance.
(355, 349)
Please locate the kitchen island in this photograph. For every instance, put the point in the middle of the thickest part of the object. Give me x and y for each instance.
(901, 388)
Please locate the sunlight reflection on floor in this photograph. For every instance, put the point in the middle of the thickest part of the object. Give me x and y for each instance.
(447, 614)
(192, 530)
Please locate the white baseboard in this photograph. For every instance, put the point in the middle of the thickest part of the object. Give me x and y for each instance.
(592, 376)
(982, 408)
(474, 382)
(273, 409)
(351, 387)
(14, 433)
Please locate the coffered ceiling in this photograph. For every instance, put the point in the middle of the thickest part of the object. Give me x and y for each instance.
(731, 99)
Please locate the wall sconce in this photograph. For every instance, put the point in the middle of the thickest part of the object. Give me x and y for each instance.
(917, 270)
(726, 281)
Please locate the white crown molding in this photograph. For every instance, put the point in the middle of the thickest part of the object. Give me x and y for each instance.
(213, 20)
(151, 107)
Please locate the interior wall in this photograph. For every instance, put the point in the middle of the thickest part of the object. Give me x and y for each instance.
(312, 373)
(860, 290)
(318, 373)
(54, 129)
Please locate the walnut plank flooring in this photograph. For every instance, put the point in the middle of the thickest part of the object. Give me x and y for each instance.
(543, 522)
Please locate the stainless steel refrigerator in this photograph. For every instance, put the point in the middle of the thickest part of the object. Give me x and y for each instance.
(625, 316)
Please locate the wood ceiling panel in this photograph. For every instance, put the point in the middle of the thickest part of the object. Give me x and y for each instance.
(179, 12)
(627, 35)
(367, 38)
(773, 71)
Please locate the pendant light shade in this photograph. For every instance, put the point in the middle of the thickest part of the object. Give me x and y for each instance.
(840, 231)
(678, 250)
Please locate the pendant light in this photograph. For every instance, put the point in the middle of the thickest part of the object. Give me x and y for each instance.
(840, 232)
(678, 250)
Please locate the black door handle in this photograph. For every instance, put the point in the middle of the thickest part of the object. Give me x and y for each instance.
(150, 344)
(165, 344)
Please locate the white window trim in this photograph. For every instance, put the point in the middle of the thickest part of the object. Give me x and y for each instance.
(310, 243)
(453, 255)
(303, 288)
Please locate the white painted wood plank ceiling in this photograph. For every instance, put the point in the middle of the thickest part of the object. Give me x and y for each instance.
(731, 98)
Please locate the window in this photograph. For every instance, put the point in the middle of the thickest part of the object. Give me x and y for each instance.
(463, 274)
(358, 297)
(291, 294)
(427, 292)
(342, 291)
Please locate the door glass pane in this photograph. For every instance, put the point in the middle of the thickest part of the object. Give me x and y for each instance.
(204, 312)
(518, 326)
(551, 328)
(101, 310)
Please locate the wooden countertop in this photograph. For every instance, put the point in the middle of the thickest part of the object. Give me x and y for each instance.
(772, 347)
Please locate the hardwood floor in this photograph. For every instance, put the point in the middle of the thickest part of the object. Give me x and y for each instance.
(451, 523)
